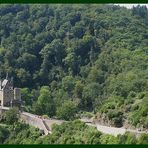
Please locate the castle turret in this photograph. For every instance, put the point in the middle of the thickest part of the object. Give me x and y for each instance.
(17, 94)
(9, 96)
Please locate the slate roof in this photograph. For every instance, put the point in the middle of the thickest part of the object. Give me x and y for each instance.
(4, 82)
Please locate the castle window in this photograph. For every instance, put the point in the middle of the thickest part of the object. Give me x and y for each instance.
(11, 88)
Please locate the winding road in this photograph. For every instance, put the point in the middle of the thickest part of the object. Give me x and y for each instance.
(37, 121)
(104, 129)
(114, 130)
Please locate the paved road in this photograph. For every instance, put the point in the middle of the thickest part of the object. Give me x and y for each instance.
(111, 130)
(114, 130)
(104, 129)
(108, 130)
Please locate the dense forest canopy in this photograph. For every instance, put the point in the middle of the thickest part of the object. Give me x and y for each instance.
(73, 58)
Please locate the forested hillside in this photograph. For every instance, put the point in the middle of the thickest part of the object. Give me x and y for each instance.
(70, 59)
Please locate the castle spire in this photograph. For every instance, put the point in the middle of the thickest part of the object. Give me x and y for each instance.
(11, 81)
(7, 76)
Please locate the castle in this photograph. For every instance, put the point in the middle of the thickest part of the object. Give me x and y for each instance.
(9, 96)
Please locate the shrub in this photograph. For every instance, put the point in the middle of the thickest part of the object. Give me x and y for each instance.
(143, 139)
(4, 133)
(45, 116)
(67, 111)
(117, 121)
(11, 116)
(135, 107)
(108, 139)
(141, 95)
(132, 94)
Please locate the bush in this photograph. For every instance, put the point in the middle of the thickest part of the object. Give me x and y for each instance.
(135, 107)
(134, 118)
(117, 121)
(144, 110)
(127, 138)
(108, 139)
(132, 94)
(87, 114)
(4, 133)
(11, 116)
(143, 139)
(45, 116)
(73, 132)
(141, 95)
(114, 113)
(67, 111)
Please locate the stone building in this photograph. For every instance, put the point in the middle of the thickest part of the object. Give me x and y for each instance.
(9, 96)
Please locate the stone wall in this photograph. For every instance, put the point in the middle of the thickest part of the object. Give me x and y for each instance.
(7, 96)
(39, 122)
(34, 121)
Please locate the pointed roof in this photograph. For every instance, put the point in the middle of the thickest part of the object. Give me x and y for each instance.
(4, 83)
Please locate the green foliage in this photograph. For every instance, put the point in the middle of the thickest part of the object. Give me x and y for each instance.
(78, 89)
(4, 133)
(87, 114)
(108, 139)
(127, 138)
(22, 134)
(67, 111)
(94, 56)
(11, 116)
(45, 103)
(139, 114)
(26, 96)
(68, 83)
(75, 132)
(140, 11)
(143, 139)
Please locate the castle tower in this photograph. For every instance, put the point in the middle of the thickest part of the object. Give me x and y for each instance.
(7, 92)
(17, 94)
(9, 96)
